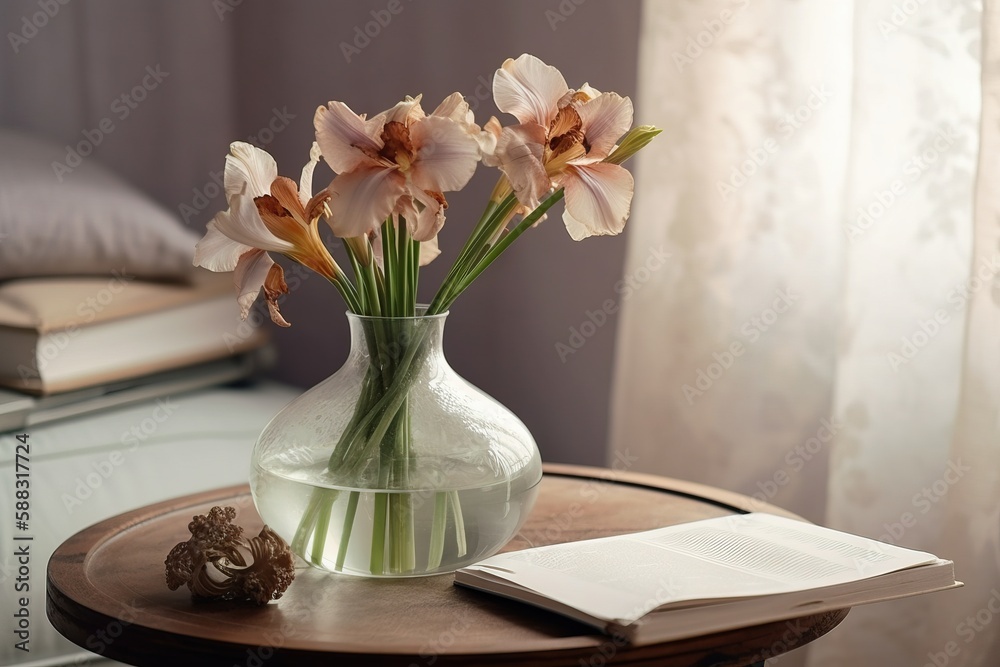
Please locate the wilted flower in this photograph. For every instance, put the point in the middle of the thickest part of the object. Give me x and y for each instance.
(267, 213)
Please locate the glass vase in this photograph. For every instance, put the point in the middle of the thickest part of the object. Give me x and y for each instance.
(395, 465)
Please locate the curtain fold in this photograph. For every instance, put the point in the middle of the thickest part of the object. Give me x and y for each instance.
(725, 357)
(972, 513)
(825, 334)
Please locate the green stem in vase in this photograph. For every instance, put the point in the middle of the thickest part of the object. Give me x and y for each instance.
(402, 514)
(438, 527)
(456, 513)
(377, 562)
(322, 528)
(345, 535)
(307, 524)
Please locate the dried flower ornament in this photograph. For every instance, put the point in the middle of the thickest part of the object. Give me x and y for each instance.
(218, 563)
(267, 213)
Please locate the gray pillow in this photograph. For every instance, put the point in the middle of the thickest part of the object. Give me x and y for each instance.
(89, 223)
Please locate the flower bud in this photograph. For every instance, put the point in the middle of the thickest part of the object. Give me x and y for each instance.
(632, 143)
(359, 246)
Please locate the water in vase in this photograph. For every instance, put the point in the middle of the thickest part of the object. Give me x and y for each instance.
(424, 531)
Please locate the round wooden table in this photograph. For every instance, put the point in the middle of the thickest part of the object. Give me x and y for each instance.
(106, 592)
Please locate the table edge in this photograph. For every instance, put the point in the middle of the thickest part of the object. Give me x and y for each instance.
(730, 500)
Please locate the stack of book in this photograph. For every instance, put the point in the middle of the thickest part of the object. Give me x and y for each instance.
(73, 345)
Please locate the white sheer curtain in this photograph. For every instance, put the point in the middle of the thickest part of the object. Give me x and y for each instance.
(826, 334)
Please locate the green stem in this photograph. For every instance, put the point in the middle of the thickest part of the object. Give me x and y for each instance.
(391, 263)
(395, 528)
(347, 291)
(404, 519)
(414, 272)
(345, 535)
(359, 275)
(322, 528)
(438, 527)
(456, 513)
(374, 296)
(387, 406)
(377, 562)
(382, 521)
(496, 213)
(308, 522)
(500, 247)
(407, 296)
(402, 548)
(361, 409)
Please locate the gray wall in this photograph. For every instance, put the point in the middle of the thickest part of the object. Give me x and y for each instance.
(228, 73)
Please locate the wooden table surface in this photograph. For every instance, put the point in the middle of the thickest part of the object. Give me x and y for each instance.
(106, 592)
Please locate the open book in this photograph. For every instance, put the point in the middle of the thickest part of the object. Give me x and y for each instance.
(708, 576)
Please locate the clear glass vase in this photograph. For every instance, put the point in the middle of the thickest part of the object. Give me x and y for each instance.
(395, 465)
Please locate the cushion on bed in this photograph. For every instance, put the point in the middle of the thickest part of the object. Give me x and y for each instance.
(81, 221)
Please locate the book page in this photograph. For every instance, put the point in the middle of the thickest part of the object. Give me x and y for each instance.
(623, 578)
